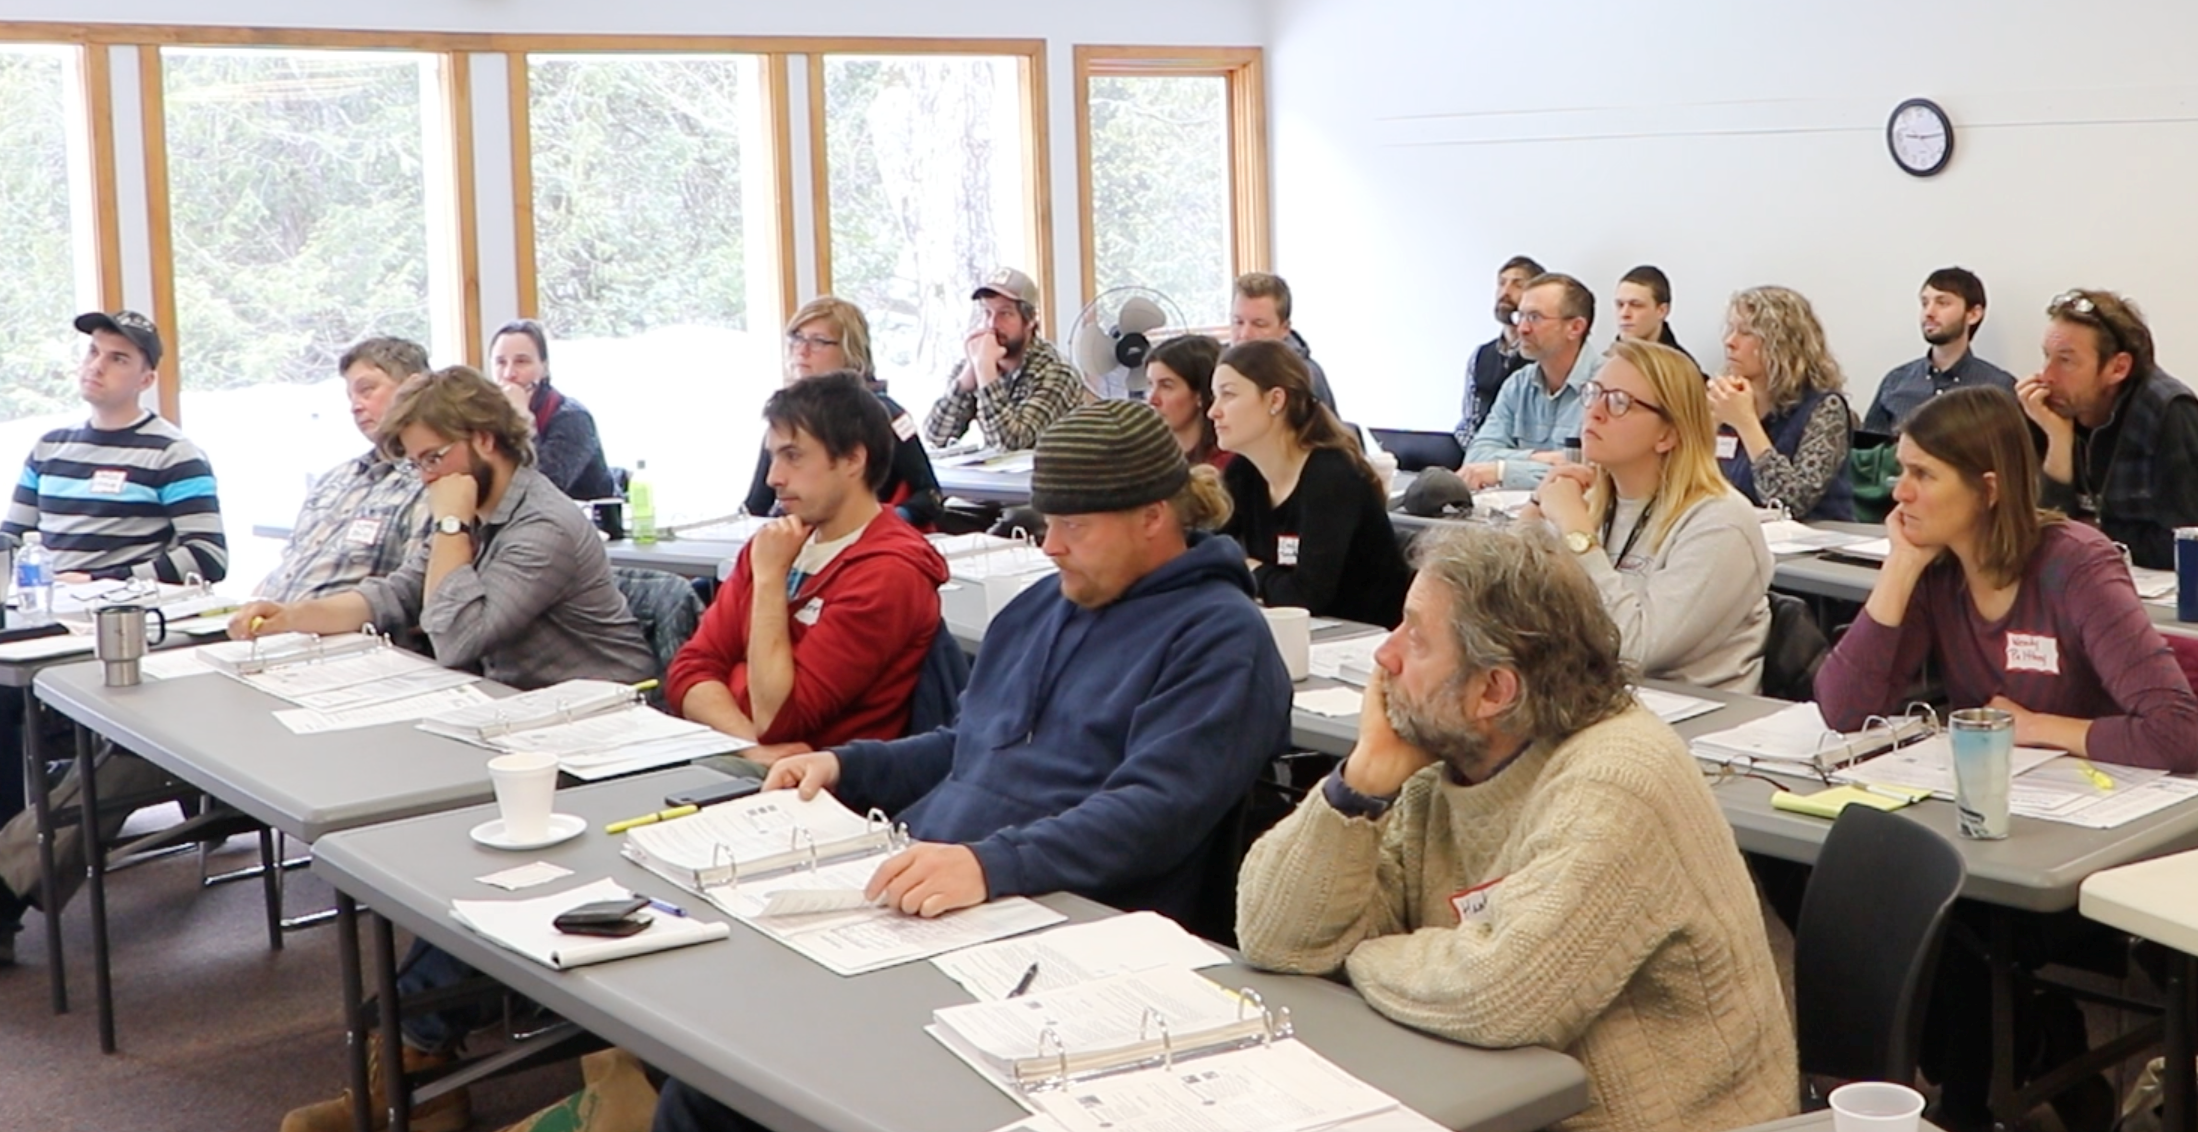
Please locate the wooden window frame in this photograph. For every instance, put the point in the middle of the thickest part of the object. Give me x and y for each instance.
(1030, 57)
(1250, 236)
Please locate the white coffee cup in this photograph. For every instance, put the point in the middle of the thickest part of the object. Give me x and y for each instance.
(526, 787)
(1293, 631)
(1876, 1106)
(1385, 466)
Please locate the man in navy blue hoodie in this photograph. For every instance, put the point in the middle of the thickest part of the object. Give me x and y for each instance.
(1110, 724)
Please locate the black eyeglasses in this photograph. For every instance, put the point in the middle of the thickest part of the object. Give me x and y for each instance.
(799, 341)
(1617, 402)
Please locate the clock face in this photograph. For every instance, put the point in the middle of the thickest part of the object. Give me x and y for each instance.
(1920, 136)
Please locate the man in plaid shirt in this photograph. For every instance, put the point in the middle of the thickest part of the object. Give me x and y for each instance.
(363, 515)
(1012, 382)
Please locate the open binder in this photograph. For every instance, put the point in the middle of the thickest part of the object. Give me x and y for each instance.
(277, 650)
(1086, 1031)
(528, 711)
(757, 836)
(1795, 738)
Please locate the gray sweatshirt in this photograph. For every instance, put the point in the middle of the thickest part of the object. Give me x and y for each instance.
(1692, 608)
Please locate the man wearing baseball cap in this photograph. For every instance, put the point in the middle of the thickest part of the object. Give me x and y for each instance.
(1111, 722)
(123, 495)
(1010, 381)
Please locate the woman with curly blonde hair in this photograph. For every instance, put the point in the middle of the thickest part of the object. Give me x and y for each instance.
(1781, 407)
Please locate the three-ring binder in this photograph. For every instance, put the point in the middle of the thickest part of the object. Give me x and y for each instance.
(1053, 1066)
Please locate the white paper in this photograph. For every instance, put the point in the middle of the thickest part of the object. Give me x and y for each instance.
(2154, 585)
(761, 825)
(306, 721)
(873, 938)
(301, 683)
(1672, 707)
(211, 625)
(2061, 791)
(1078, 953)
(40, 648)
(1334, 703)
(2124, 806)
(810, 902)
(404, 685)
(1786, 536)
(524, 926)
(667, 751)
(1795, 734)
(175, 664)
(1285, 1087)
(1878, 549)
(525, 876)
(605, 732)
(1503, 501)
(1332, 658)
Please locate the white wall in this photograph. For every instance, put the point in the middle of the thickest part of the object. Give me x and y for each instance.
(1061, 25)
(1418, 143)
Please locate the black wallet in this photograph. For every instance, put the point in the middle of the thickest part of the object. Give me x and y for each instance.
(604, 917)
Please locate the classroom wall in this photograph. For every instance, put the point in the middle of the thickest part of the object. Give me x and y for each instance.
(1418, 143)
(1167, 22)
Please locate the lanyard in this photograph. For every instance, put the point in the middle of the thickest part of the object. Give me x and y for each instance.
(1640, 523)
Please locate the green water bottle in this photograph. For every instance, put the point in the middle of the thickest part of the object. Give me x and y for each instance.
(641, 500)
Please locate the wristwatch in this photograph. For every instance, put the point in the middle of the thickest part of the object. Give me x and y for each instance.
(1579, 542)
(450, 525)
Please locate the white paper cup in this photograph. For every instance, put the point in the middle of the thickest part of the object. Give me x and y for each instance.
(1293, 630)
(1876, 1106)
(526, 786)
(1385, 466)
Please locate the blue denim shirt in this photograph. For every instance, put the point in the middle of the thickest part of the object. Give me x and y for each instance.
(1526, 419)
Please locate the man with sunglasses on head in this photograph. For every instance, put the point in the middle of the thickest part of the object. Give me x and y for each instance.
(2121, 435)
(1010, 381)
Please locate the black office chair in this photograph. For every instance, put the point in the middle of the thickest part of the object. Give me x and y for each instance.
(1868, 942)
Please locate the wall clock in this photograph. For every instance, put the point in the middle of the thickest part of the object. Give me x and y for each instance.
(1920, 136)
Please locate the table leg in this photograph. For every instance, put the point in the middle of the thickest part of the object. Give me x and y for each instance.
(399, 1095)
(34, 772)
(271, 887)
(2000, 957)
(356, 1029)
(2181, 1077)
(95, 871)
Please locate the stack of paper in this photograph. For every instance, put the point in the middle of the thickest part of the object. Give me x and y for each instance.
(596, 728)
(2047, 784)
(1350, 660)
(1929, 765)
(2154, 585)
(1786, 536)
(1671, 707)
(277, 649)
(850, 937)
(1797, 737)
(525, 926)
(1078, 953)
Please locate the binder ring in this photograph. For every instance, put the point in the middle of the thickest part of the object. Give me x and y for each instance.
(1060, 1053)
(1153, 1019)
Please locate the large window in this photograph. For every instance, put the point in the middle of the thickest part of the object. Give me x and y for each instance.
(929, 178)
(657, 263)
(1173, 183)
(300, 213)
(52, 271)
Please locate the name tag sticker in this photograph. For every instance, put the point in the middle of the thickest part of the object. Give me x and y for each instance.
(1286, 550)
(1473, 905)
(2028, 652)
(809, 613)
(904, 426)
(109, 481)
(1728, 446)
(362, 532)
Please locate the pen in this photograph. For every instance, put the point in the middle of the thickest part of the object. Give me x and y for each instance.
(2099, 778)
(646, 686)
(664, 906)
(1022, 985)
(1906, 795)
(650, 819)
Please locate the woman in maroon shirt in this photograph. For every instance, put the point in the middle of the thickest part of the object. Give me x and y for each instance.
(2026, 611)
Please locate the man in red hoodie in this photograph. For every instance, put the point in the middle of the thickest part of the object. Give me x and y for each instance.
(819, 635)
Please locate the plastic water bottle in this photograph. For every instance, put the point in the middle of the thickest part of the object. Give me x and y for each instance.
(641, 501)
(34, 581)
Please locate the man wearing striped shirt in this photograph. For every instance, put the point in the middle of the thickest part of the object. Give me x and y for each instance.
(124, 495)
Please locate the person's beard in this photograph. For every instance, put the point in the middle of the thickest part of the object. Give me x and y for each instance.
(1944, 335)
(1437, 727)
(1011, 349)
(484, 477)
(1506, 310)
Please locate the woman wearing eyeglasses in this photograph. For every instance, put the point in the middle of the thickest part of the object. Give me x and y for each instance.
(2024, 610)
(828, 335)
(1678, 554)
(1781, 405)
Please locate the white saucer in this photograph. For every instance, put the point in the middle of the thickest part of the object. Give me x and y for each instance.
(562, 827)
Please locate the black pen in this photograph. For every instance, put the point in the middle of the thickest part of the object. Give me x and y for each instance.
(1022, 985)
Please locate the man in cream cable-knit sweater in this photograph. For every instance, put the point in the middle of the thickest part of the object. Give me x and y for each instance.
(1516, 854)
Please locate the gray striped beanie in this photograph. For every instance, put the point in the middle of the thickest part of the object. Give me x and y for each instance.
(1106, 456)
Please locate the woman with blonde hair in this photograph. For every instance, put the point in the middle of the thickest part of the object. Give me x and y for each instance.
(830, 335)
(1782, 406)
(1309, 510)
(1677, 553)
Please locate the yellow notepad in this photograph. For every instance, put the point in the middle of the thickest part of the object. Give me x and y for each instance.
(1828, 803)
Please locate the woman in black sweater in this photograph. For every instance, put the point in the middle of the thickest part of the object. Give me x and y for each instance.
(828, 335)
(1310, 512)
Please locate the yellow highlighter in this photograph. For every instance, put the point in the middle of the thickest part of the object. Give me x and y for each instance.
(2099, 778)
(650, 819)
